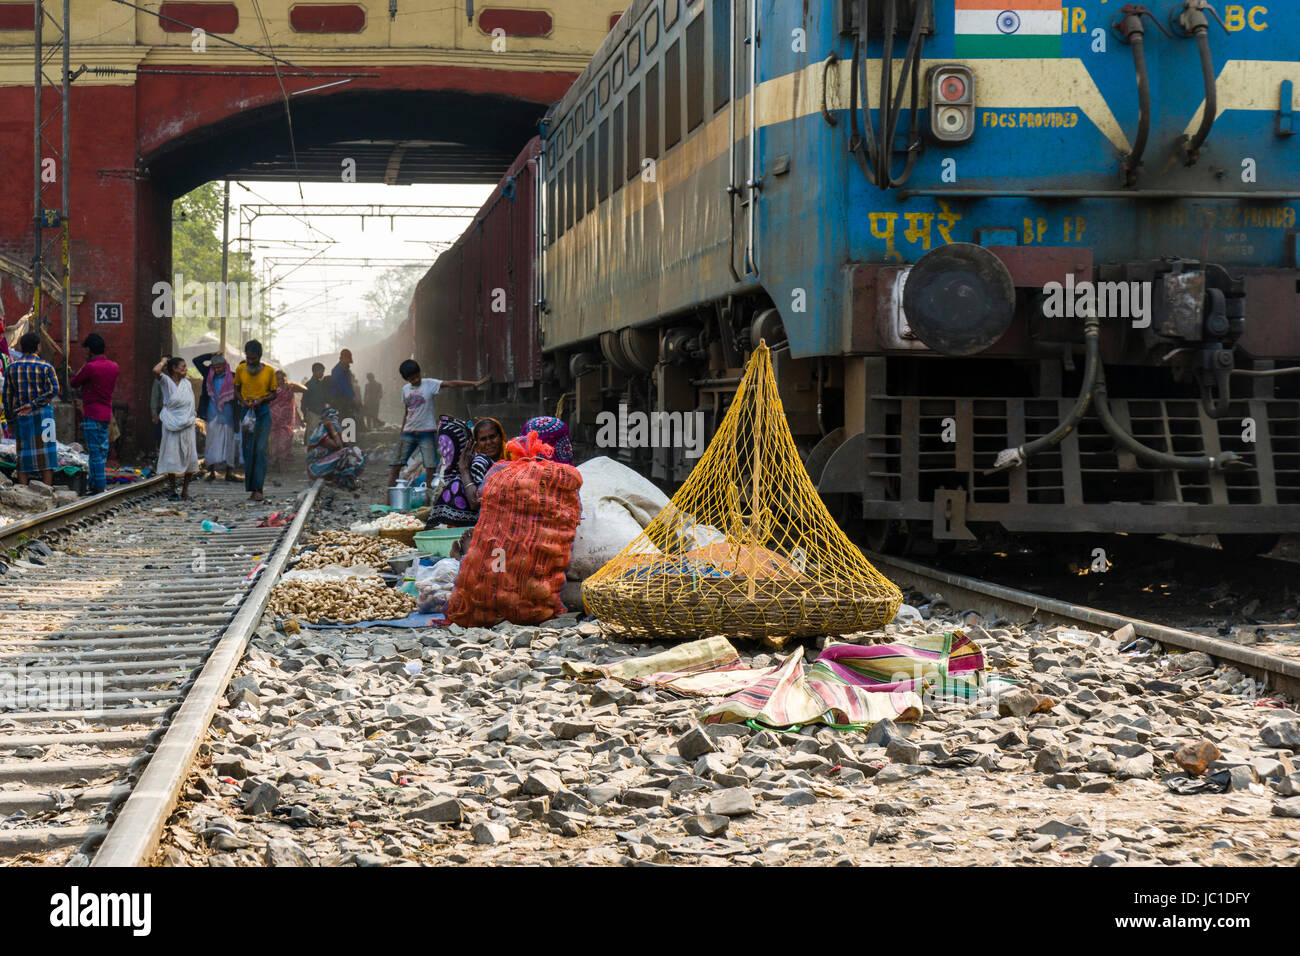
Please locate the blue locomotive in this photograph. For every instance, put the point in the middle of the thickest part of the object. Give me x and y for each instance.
(1025, 265)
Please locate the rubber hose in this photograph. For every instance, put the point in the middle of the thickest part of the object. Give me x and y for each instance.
(1134, 159)
(1091, 363)
(1149, 456)
(1193, 148)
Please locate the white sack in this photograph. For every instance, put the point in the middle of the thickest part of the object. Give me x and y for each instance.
(616, 504)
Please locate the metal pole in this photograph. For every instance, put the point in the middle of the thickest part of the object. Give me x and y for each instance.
(753, 184)
(225, 260)
(38, 15)
(66, 216)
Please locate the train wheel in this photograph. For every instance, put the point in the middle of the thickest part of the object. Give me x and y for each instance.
(943, 548)
(1240, 547)
(888, 536)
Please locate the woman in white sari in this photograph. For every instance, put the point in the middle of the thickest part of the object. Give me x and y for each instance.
(178, 454)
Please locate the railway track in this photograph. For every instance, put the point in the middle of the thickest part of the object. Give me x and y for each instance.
(120, 625)
(1279, 672)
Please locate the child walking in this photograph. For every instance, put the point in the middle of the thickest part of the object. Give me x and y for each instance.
(419, 421)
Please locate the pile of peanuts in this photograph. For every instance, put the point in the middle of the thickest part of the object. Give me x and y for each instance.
(349, 550)
(341, 601)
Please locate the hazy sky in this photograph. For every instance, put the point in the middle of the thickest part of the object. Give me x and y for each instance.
(319, 297)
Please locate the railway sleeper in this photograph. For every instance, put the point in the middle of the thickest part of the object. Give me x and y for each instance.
(43, 801)
(109, 668)
(63, 771)
(35, 655)
(105, 739)
(36, 839)
(116, 715)
(101, 637)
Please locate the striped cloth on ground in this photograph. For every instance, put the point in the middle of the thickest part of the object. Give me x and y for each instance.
(947, 664)
(705, 668)
(849, 686)
(792, 696)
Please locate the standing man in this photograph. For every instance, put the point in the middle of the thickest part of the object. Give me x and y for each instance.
(374, 392)
(96, 380)
(313, 402)
(255, 387)
(30, 386)
(342, 392)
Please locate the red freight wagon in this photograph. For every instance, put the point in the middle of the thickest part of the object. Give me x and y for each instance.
(474, 312)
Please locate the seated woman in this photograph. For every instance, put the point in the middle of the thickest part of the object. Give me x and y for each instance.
(329, 457)
(465, 461)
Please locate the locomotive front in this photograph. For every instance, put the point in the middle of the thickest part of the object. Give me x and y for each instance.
(1057, 260)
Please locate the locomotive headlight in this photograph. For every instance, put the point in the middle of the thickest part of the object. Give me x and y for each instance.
(952, 103)
(951, 120)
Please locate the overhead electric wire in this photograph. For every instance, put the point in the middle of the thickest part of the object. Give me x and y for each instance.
(288, 114)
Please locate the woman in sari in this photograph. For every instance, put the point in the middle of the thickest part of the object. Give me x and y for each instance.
(466, 458)
(222, 448)
(478, 458)
(178, 454)
(284, 418)
(552, 432)
(329, 457)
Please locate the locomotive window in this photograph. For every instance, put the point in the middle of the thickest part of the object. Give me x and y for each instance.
(652, 31)
(695, 73)
(633, 132)
(591, 107)
(721, 53)
(602, 171)
(618, 73)
(672, 8)
(634, 52)
(569, 184)
(579, 116)
(673, 96)
(550, 212)
(568, 131)
(617, 133)
(591, 172)
(652, 113)
(604, 89)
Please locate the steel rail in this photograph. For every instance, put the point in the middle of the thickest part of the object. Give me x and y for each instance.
(133, 836)
(1279, 673)
(56, 518)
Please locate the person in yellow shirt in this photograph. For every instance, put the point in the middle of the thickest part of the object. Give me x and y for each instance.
(255, 387)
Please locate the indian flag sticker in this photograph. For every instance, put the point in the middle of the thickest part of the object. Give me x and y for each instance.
(1008, 28)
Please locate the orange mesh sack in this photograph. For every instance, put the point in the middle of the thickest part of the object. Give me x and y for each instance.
(514, 570)
(745, 548)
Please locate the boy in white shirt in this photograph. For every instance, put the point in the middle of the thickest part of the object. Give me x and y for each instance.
(419, 421)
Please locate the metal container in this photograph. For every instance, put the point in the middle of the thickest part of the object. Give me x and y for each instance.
(399, 496)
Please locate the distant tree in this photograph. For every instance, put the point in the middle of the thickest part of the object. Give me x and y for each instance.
(196, 257)
(389, 297)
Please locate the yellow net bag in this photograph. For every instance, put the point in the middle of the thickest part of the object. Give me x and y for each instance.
(745, 548)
